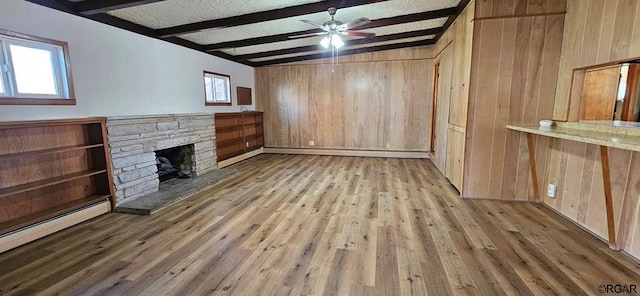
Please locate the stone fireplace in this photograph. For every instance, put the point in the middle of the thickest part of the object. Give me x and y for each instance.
(136, 141)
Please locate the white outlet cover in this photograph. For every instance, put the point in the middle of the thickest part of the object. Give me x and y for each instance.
(552, 189)
(312, 143)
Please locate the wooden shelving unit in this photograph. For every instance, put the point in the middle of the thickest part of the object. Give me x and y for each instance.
(238, 133)
(51, 167)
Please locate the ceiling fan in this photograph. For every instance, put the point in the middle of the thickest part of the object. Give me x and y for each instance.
(334, 28)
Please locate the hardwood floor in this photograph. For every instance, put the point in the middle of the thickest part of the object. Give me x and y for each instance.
(320, 225)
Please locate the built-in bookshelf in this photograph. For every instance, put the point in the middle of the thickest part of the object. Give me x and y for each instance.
(50, 168)
(238, 133)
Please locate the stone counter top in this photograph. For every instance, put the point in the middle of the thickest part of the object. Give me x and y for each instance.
(627, 138)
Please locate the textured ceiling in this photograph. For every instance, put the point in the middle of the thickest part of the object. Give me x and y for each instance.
(316, 39)
(256, 32)
(179, 12)
(293, 24)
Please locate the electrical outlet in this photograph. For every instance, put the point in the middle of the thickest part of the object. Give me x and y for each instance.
(312, 143)
(247, 144)
(552, 189)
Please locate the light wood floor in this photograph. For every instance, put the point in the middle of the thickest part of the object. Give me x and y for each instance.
(314, 225)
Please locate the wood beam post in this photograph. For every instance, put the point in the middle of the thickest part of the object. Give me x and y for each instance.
(532, 165)
(606, 179)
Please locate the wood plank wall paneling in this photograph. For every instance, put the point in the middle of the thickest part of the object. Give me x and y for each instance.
(443, 97)
(377, 101)
(596, 32)
(514, 70)
(462, 46)
(412, 53)
(455, 155)
(576, 169)
(454, 55)
(509, 8)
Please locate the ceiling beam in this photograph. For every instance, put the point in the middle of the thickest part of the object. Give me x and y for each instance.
(461, 6)
(344, 52)
(57, 5)
(351, 42)
(414, 17)
(198, 47)
(262, 16)
(133, 27)
(102, 6)
(122, 24)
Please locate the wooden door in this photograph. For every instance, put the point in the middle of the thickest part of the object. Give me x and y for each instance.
(599, 94)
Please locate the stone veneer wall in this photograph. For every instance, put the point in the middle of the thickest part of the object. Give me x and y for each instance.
(133, 140)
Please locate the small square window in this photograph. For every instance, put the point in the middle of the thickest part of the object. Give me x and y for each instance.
(34, 71)
(217, 89)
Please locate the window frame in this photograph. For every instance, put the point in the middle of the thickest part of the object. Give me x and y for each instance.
(228, 90)
(64, 85)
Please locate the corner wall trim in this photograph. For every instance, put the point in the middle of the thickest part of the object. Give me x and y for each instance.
(239, 158)
(347, 152)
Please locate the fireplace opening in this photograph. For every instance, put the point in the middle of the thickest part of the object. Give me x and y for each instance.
(176, 162)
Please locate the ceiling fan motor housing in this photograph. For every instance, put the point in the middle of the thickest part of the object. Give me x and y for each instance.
(332, 24)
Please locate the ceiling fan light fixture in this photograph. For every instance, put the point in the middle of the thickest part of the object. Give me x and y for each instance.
(332, 40)
(325, 42)
(336, 41)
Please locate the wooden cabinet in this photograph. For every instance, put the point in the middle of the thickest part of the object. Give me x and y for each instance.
(238, 133)
(50, 168)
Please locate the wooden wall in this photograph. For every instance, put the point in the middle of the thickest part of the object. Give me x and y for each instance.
(511, 8)
(595, 32)
(453, 53)
(576, 169)
(443, 97)
(515, 61)
(373, 101)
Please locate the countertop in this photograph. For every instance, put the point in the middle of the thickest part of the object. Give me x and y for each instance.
(627, 138)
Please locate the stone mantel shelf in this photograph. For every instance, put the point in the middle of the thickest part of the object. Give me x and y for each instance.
(627, 138)
(150, 116)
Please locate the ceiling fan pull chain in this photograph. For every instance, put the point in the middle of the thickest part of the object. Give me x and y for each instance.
(333, 48)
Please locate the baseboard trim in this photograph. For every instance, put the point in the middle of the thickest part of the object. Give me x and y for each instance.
(576, 223)
(348, 152)
(239, 158)
(40, 230)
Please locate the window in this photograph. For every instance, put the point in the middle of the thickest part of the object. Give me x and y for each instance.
(34, 71)
(217, 89)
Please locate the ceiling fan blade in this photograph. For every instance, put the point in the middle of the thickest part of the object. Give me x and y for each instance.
(354, 24)
(315, 24)
(308, 35)
(359, 34)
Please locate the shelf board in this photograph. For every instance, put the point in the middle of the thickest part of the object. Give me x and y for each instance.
(229, 142)
(227, 128)
(49, 151)
(253, 136)
(48, 182)
(36, 217)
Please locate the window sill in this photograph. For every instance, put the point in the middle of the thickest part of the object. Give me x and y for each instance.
(27, 101)
(217, 104)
